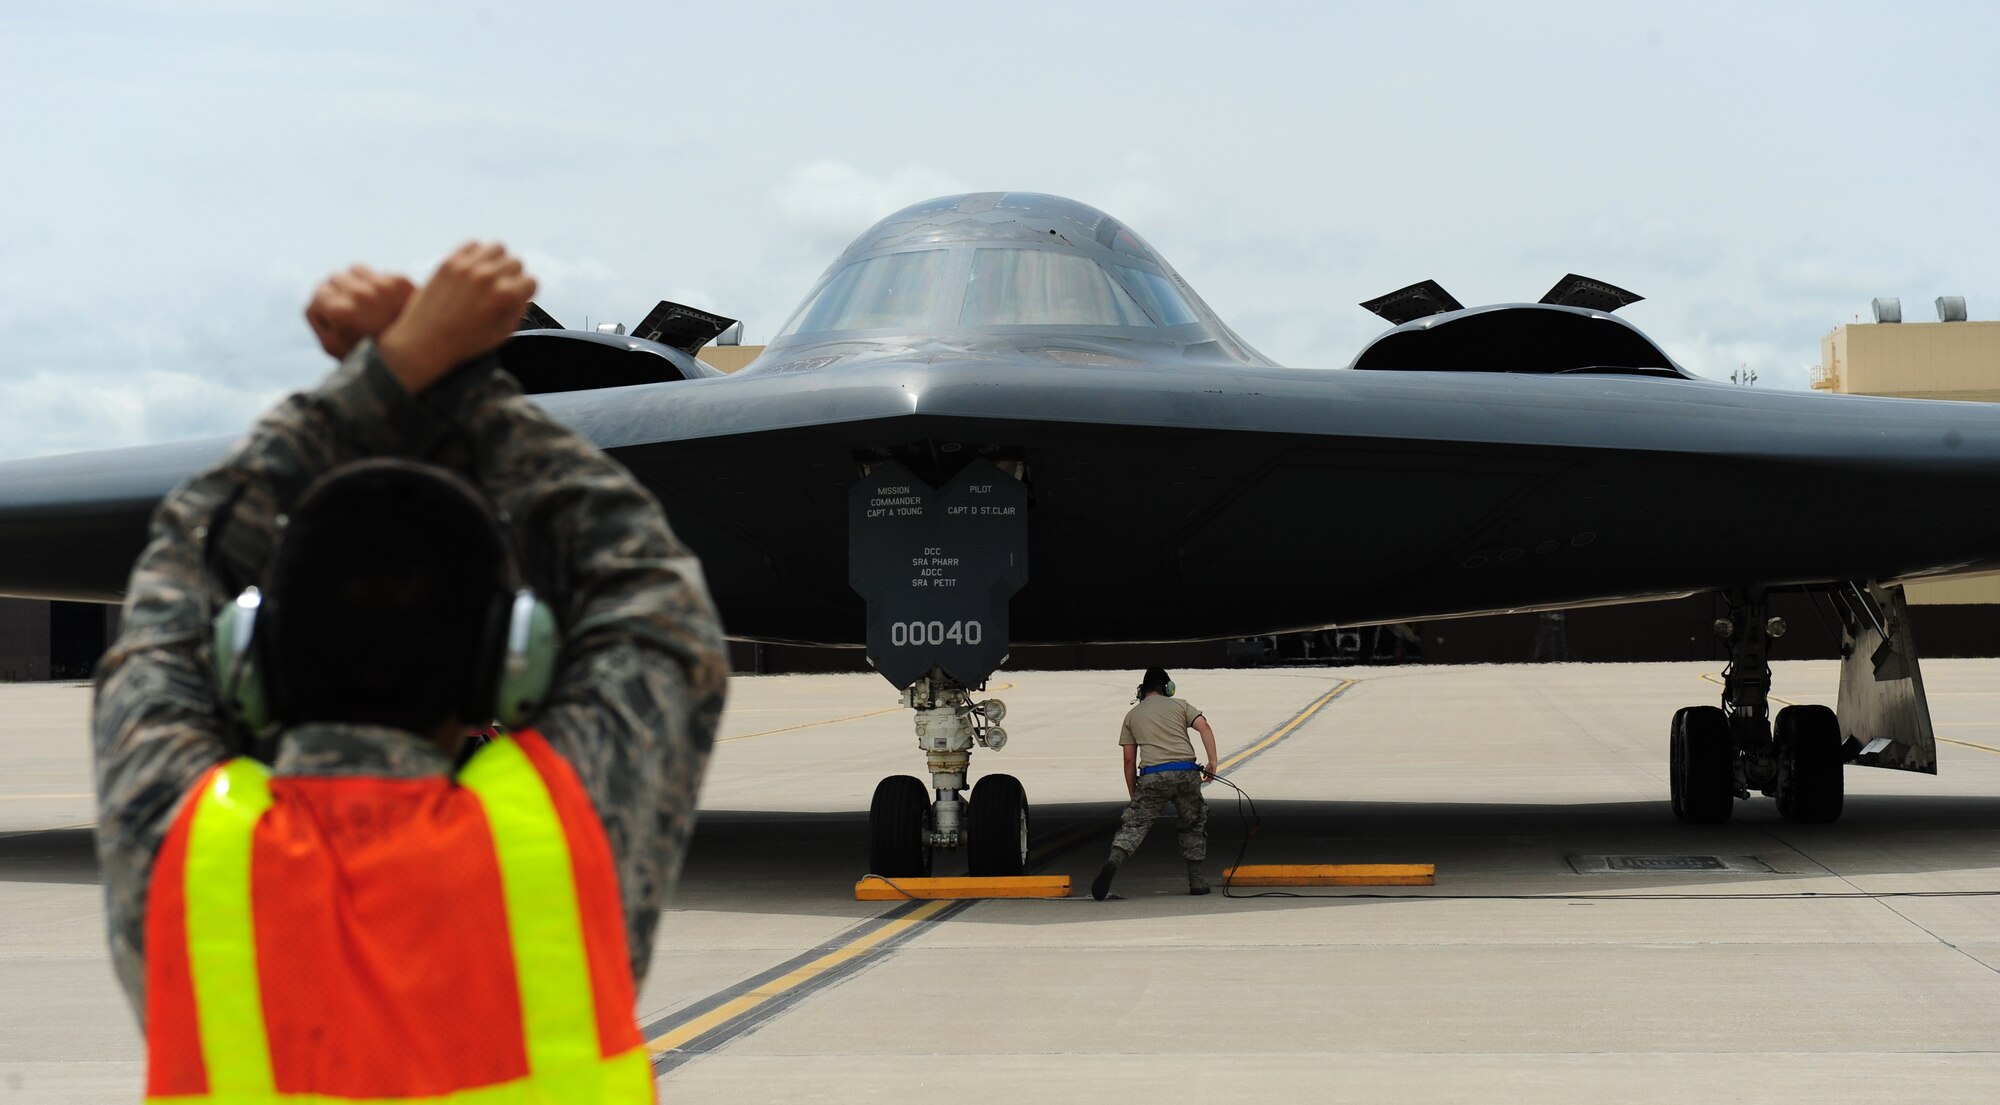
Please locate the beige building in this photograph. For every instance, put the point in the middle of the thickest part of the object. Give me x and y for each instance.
(1918, 360)
(729, 358)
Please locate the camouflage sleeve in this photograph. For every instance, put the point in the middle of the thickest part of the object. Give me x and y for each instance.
(639, 689)
(157, 724)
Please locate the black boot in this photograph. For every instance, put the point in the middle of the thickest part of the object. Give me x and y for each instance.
(1101, 885)
(1197, 885)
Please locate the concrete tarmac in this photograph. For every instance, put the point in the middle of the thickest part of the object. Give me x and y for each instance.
(1858, 961)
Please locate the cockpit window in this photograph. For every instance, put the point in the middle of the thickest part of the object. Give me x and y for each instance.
(1031, 287)
(1124, 241)
(1161, 297)
(892, 292)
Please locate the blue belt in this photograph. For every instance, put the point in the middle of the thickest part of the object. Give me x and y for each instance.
(1177, 765)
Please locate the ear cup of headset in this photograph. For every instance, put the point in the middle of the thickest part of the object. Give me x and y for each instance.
(516, 665)
(527, 664)
(517, 661)
(512, 640)
(239, 673)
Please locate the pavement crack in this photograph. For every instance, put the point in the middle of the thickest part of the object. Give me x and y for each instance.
(1881, 901)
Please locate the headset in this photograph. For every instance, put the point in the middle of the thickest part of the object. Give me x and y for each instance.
(513, 668)
(1165, 685)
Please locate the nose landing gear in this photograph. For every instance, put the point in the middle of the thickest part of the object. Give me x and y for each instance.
(905, 825)
(936, 564)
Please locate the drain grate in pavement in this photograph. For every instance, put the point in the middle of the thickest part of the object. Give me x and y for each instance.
(1669, 865)
(1665, 863)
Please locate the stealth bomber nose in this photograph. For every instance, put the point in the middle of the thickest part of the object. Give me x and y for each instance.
(1020, 270)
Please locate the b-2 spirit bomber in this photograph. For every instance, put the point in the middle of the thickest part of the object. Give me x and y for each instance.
(1003, 418)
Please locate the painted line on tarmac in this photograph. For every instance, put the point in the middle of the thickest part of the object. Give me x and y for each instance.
(809, 725)
(1969, 744)
(1716, 679)
(16, 834)
(714, 1021)
(1272, 738)
(834, 720)
(1040, 855)
(721, 1017)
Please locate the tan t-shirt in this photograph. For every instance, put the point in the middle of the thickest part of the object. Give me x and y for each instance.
(1159, 726)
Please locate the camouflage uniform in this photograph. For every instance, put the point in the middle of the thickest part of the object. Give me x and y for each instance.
(1151, 795)
(635, 701)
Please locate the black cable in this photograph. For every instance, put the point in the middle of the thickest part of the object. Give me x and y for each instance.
(1251, 824)
(896, 886)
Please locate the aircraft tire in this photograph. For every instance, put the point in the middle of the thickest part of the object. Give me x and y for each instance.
(1677, 763)
(997, 827)
(1811, 783)
(1703, 766)
(898, 817)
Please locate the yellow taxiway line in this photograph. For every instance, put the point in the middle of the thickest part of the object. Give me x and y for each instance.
(778, 987)
(835, 720)
(810, 724)
(1284, 731)
(1969, 744)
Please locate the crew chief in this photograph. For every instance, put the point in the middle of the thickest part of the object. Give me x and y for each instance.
(358, 920)
(1160, 770)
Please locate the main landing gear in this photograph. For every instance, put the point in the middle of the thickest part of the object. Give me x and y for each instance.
(1720, 754)
(905, 825)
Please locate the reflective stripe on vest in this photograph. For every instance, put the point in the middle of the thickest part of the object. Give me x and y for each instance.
(221, 947)
(216, 844)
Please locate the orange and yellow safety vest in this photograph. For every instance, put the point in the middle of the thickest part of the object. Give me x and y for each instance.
(366, 938)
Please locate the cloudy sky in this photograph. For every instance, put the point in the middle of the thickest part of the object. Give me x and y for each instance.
(178, 175)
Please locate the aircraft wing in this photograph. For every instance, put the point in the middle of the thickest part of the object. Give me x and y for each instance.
(1177, 503)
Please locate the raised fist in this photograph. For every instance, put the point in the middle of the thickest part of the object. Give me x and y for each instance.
(468, 307)
(359, 303)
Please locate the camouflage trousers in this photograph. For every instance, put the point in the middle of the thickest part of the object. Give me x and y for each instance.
(1151, 796)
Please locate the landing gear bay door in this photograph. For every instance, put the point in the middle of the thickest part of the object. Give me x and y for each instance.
(937, 567)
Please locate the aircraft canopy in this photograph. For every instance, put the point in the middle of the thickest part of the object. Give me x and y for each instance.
(984, 286)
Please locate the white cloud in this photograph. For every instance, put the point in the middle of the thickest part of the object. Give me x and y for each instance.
(195, 174)
(49, 413)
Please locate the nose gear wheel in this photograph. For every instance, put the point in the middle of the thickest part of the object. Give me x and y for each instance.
(997, 827)
(899, 828)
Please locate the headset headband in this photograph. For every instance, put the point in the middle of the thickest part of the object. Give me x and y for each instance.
(516, 643)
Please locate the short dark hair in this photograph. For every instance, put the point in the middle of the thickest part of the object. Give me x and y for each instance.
(386, 577)
(1156, 680)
